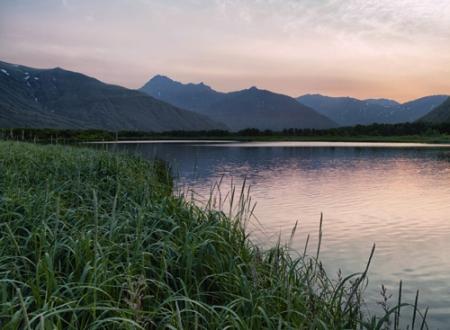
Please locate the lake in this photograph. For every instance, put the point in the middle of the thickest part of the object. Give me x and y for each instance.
(394, 195)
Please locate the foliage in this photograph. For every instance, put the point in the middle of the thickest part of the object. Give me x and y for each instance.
(97, 240)
(413, 131)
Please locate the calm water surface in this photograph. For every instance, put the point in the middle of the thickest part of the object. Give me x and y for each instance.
(394, 195)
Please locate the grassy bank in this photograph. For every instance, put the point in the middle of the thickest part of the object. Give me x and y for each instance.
(92, 240)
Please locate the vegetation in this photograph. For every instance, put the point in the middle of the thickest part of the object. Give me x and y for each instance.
(97, 240)
(406, 132)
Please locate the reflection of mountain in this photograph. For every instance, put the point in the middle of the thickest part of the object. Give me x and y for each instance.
(202, 162)
(391, 196)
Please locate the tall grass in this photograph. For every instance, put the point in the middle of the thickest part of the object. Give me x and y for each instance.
(93, 240)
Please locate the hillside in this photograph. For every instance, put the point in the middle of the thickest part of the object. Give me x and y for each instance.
(56, 98)
(439, 115)
(263, 109)
(250, 108)
(347, 111)
(420, 107)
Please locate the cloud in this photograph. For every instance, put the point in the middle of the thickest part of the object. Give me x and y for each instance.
(359, 47)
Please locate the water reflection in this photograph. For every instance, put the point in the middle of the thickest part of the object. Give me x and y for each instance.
(396, 197)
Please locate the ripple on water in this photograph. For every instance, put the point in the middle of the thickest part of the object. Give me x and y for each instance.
(397, 198)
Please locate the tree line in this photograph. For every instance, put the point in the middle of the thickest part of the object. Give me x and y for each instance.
(71, 135)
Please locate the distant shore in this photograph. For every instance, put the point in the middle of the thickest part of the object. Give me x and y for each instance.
(400, 139)
(391, 139)
(403, 133)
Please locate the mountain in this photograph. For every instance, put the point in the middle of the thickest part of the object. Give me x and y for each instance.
(195, 97)
(441, 114)
(262, 109)
(250, 108)
(420, 107)
(57, 98)
(383, 102)
(347, 111)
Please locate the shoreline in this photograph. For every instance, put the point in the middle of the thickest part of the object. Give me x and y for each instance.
(106, 240)
(180, 140)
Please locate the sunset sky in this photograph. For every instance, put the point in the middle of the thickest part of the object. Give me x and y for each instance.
(364, 48)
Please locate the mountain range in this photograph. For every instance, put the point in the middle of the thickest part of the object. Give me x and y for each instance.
(236, 109)
(249, 108)
(347, 111)
(57, 98)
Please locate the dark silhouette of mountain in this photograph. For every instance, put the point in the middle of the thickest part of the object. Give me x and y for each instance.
(347, 111)
(56, 98)
(250, 108)
(439, 115)
(195, 97)
(255, 108)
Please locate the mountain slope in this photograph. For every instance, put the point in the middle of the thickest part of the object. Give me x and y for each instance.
(255, 108)
(56, 98)
(439, 115)
(347, 111)
(251, 108)
(195, 97)
(420, 107)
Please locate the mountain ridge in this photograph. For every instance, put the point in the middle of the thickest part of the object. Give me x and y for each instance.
(248, 108)
(263, 109)
(349, 111)
(189, 96)
(345, 111)
(58, 98)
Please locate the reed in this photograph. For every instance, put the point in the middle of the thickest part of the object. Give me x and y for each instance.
(95, 240)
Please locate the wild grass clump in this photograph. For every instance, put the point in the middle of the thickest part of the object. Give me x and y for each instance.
(92, 240)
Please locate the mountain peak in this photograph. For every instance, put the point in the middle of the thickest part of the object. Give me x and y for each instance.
(190, 96)
(160, 81)
(161, 78)
(255, 90)
(312, 95)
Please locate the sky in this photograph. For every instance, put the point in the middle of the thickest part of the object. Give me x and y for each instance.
(396, 49)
